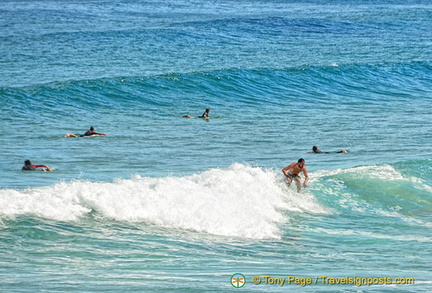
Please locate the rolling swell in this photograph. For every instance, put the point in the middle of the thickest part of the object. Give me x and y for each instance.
(390, 187)
(260, 117)
(162, 197)
(328, 84)
(239, 201)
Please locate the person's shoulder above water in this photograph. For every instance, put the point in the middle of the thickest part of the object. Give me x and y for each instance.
(28, 166)
(315, 150)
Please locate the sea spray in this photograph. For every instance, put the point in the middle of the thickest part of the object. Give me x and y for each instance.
(240, 201)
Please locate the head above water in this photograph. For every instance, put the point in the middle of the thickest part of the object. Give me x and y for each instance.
(27, 162)
(91, 128)
(301, 162)
(315, 149)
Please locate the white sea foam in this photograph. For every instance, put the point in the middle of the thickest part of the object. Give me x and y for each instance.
(240, 201)
(374, 235)
(385, 172)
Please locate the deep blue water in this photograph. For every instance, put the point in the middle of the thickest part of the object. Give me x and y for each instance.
(164, 203)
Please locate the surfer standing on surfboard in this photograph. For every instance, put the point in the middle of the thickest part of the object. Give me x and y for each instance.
(292, 172)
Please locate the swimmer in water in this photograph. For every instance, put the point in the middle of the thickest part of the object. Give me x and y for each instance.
(205, 115)
(316, 150)
(88, 133)
(28, 166)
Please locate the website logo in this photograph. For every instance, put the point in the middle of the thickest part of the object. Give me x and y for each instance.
(238, 280)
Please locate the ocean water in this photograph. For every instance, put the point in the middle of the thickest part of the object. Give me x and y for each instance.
(164, 203)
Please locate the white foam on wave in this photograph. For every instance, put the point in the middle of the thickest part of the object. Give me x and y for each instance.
(374, 235)
(240, 201)
(386, 172)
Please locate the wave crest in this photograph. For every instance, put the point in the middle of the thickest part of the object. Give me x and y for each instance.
(240, 201)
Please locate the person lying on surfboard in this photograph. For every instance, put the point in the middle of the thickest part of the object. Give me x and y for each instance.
(205, 115)
(88, 133)
(316, 150)
(292, 172)
(28, 166)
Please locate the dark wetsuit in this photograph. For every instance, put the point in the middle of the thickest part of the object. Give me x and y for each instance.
(90, 133)
(204, 115)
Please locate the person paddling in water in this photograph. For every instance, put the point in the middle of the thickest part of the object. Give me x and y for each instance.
(205, 115)
(88, 133)
(92, 132)
(28, 166)
(316, 150)
(292, 172)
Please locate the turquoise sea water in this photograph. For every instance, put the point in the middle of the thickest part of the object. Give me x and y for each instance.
(171, 204)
